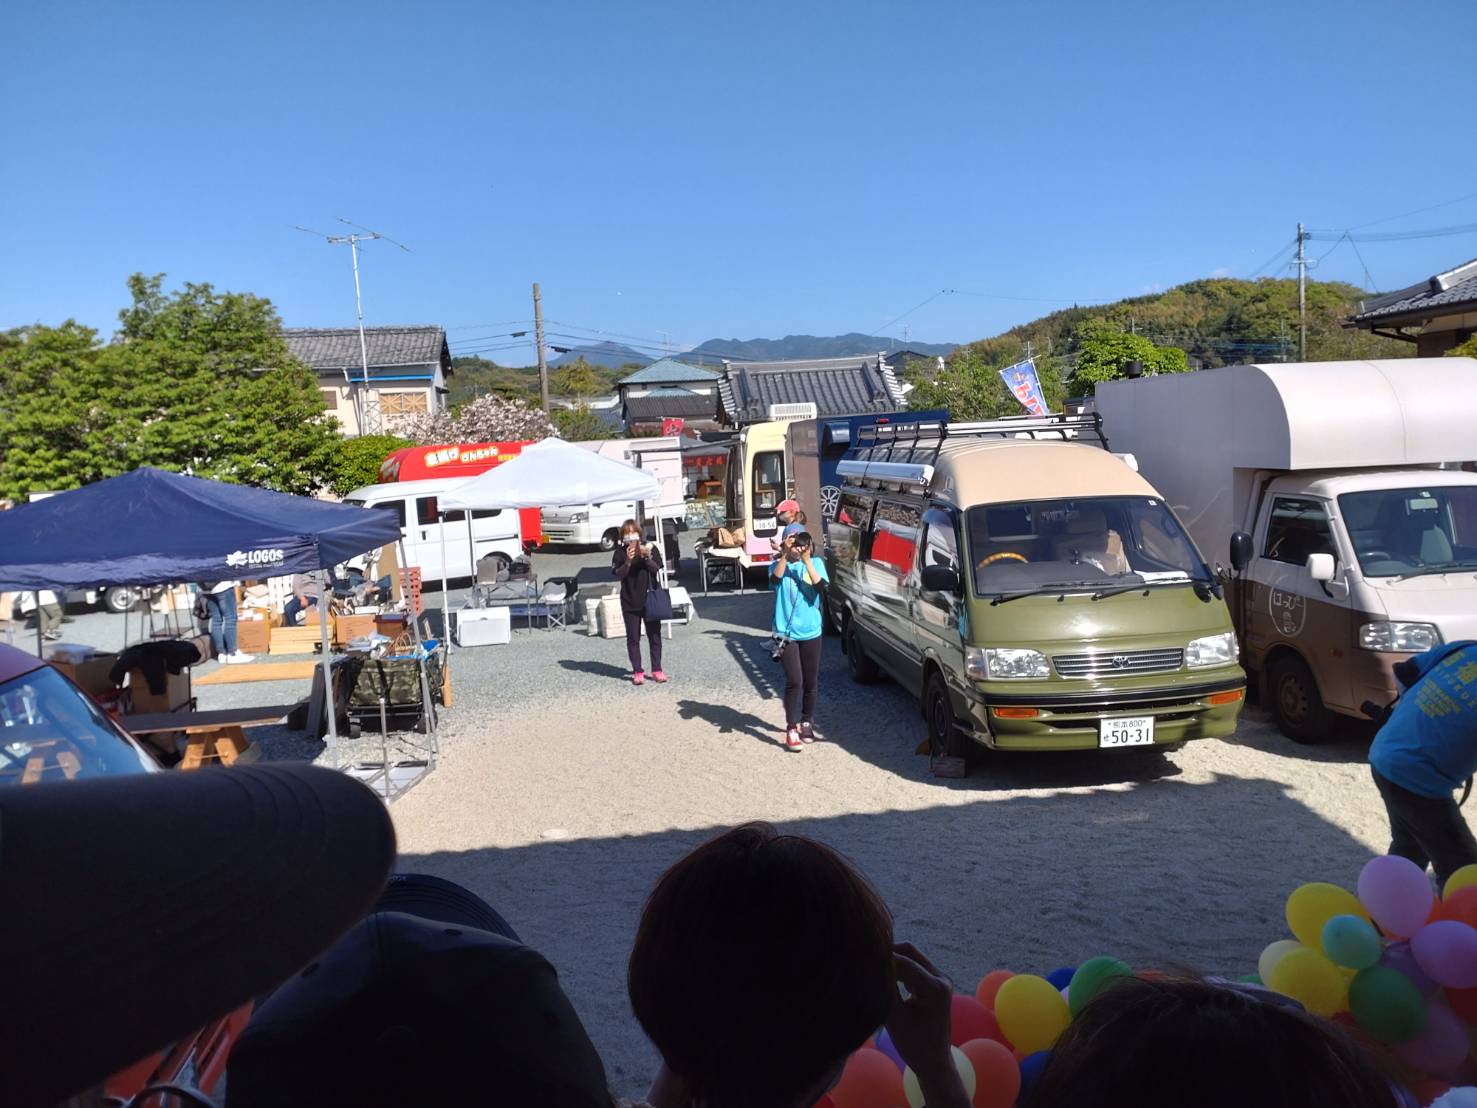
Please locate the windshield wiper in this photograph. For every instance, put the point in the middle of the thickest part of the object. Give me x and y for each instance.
(1427, 571)
(1101, 593)
(1062, 587)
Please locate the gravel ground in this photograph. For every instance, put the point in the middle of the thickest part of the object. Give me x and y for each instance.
(563, 791)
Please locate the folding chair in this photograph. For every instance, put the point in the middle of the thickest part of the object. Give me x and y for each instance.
(555, 603)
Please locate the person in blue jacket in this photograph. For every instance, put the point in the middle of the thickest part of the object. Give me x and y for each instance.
(798, 579)
(1424, 752)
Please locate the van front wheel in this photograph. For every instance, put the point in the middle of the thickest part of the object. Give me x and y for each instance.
(1299, 710)
(943, 736)
(609, 539)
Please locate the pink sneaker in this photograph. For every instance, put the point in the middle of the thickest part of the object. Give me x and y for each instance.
(638, 678)
(659, 677)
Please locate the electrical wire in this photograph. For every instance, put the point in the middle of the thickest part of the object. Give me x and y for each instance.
(1395, 236)
(1418, 211)
(910, 311)
(1287, 249)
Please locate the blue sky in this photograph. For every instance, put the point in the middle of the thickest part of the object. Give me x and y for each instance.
(687, 171)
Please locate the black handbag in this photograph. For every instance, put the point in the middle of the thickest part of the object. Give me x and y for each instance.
(658, 604)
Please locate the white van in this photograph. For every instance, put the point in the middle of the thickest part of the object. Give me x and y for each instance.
(600, 524)
(416, 504)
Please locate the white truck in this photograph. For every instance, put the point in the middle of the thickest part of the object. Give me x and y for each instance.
(600, 524)
(1344, 497)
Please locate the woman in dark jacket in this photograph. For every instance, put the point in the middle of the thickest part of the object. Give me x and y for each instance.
(636, 564)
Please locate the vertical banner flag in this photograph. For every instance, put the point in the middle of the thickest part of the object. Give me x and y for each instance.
(1025, 386)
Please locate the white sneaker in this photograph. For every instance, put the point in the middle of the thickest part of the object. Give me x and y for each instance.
(240, 657)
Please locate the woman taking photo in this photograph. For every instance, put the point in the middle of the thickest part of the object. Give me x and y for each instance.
(636, 564)
(798, 580)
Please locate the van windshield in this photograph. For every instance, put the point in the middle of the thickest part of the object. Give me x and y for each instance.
(1414, 531)
(1086, 542)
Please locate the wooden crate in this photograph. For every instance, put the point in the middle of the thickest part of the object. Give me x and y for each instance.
(297, 640)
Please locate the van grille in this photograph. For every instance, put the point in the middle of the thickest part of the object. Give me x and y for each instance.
(1109, 663)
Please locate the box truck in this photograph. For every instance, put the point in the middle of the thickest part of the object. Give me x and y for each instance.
(1341, 494)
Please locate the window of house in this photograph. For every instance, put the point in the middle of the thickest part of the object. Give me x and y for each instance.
(403, 403)
(330, 398)
(1298, 527)
(895, 536)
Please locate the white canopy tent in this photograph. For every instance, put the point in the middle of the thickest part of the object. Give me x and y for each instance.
(551, 474)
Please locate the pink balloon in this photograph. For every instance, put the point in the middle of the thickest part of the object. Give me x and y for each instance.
(1441, 1046)
(1447, 951)
(1397, 893)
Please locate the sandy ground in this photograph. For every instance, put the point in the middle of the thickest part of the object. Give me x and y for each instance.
(563, 791)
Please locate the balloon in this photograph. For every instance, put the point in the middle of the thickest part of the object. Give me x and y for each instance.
(887, 1047)
(914, 1092)
(1463, 878)
(1311, 906)
(1464, 1003)
(1031, 1013)
(825, 1102)
(1031, 1067)
(1440, 1047)
(1398, 956)
(870, 1080)
(1397, 894)
(1460, 905)
(969, 1019)
(1312, 980)
(1429, 1090)
(1274, 953)
(1387, 1005)
(1090, 978)
(1447, 951)
(1351, 941)
(990, 985)
(1061, 978)
(997, 1077)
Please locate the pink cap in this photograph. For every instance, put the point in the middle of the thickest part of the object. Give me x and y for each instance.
(788, 506)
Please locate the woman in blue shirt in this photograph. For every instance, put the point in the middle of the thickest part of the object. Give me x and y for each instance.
(797, 581)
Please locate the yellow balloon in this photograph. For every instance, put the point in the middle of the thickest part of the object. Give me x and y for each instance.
(1031, 1012)
(914, 1092)
(1274, 953)
(1461, 879)
(1311, 906)
(1312, 980)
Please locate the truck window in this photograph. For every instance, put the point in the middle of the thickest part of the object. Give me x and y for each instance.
(395, 506)
(850, 532)
(425, 510)
(940, 542)
(1412, 530)
(1298, 527)
(768, 484)
(895, 536)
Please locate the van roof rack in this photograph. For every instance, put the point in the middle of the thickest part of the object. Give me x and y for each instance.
(903, 455)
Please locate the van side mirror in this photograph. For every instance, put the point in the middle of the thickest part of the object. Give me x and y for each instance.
(940, 579)
(1241, 549)
(1321, 567)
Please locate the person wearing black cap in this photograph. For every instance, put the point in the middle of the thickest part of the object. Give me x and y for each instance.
(431, 999)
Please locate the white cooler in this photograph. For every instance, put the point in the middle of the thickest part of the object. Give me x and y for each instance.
(484, 626)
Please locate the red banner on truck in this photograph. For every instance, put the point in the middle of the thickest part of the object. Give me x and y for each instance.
(463, 459)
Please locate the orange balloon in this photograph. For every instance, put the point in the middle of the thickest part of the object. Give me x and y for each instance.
(997, 1075)
(870, 1080)
(1460, 906)
(990, 985)
(825, 1102)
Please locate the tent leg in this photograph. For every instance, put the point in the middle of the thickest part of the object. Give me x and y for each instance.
(665, 575)
(323, 638)
(40, 636)
(428, 709)
(445, 603)
(472, 560)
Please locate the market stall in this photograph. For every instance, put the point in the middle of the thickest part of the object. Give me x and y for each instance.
(154, 527)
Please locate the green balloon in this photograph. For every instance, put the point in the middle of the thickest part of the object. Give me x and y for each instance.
(1250, 979)
(1387, 1004)
(1090, 978)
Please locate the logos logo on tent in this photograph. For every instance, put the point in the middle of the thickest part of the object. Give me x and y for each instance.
(238, 558)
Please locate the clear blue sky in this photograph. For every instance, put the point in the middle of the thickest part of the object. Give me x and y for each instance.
(705, 170)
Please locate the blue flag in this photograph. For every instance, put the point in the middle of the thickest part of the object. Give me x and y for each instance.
(1025, 386)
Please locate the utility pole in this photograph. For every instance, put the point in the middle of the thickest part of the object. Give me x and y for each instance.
(538, 338)
(1302, 296)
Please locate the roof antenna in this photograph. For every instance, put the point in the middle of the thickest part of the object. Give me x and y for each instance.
(366, 404)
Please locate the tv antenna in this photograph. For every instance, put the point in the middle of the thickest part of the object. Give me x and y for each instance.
(366, 404)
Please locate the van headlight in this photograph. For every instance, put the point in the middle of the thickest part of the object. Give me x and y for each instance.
(1213, 650)
(578, 517)
(1004, 663)
(1385, 634)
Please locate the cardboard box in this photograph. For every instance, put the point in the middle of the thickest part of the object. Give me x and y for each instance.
(90, 676)
(346, 628)
(253, 636)
(176, 692)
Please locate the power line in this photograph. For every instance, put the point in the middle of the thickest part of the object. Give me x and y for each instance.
(1418, 211)
(1276, 260)
(877, 333)
(1395, 236)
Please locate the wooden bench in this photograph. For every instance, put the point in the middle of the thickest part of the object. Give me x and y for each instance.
(217, 736)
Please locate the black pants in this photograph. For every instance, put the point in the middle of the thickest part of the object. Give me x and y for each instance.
(634, 620)
(802, 662)
(1427, 831)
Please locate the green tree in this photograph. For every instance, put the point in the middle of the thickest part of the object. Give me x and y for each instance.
(970, 385)
(356, 462)
(1467, 349)
(579, 424)
(1103, 351)
(577, 379)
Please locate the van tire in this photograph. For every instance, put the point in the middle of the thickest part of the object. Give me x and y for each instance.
(1296, 705)
(862, 669)
(609, 539)
(938, 710)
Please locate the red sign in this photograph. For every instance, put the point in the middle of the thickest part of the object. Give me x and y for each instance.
(466, 459)
(672, 426)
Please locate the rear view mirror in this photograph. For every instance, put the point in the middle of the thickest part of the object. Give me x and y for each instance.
(940, 579)
(1240, 551)
(1321, 567)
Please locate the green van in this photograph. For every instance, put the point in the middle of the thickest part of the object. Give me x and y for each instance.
(1029, 587)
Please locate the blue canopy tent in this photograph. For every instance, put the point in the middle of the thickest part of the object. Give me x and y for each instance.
(155, 527)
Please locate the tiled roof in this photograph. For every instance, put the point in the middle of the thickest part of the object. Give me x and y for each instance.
(671, 403)
(836, 386)
(669, 371)
(336, 348)
(1437, 296)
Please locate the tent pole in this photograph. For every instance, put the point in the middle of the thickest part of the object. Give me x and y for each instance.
(428, 710)
(472, 561)
(40, 639)
(665, 576)
(445, 603)
(327, 592)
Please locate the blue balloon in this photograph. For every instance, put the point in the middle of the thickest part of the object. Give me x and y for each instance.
(1351, 942)
(887, 1047)
(1031, 1067)
(1061, 978)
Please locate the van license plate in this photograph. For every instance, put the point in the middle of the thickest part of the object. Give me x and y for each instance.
(1126, 731)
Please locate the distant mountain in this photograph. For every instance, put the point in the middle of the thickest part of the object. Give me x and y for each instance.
(803, 346)
(608, 354)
